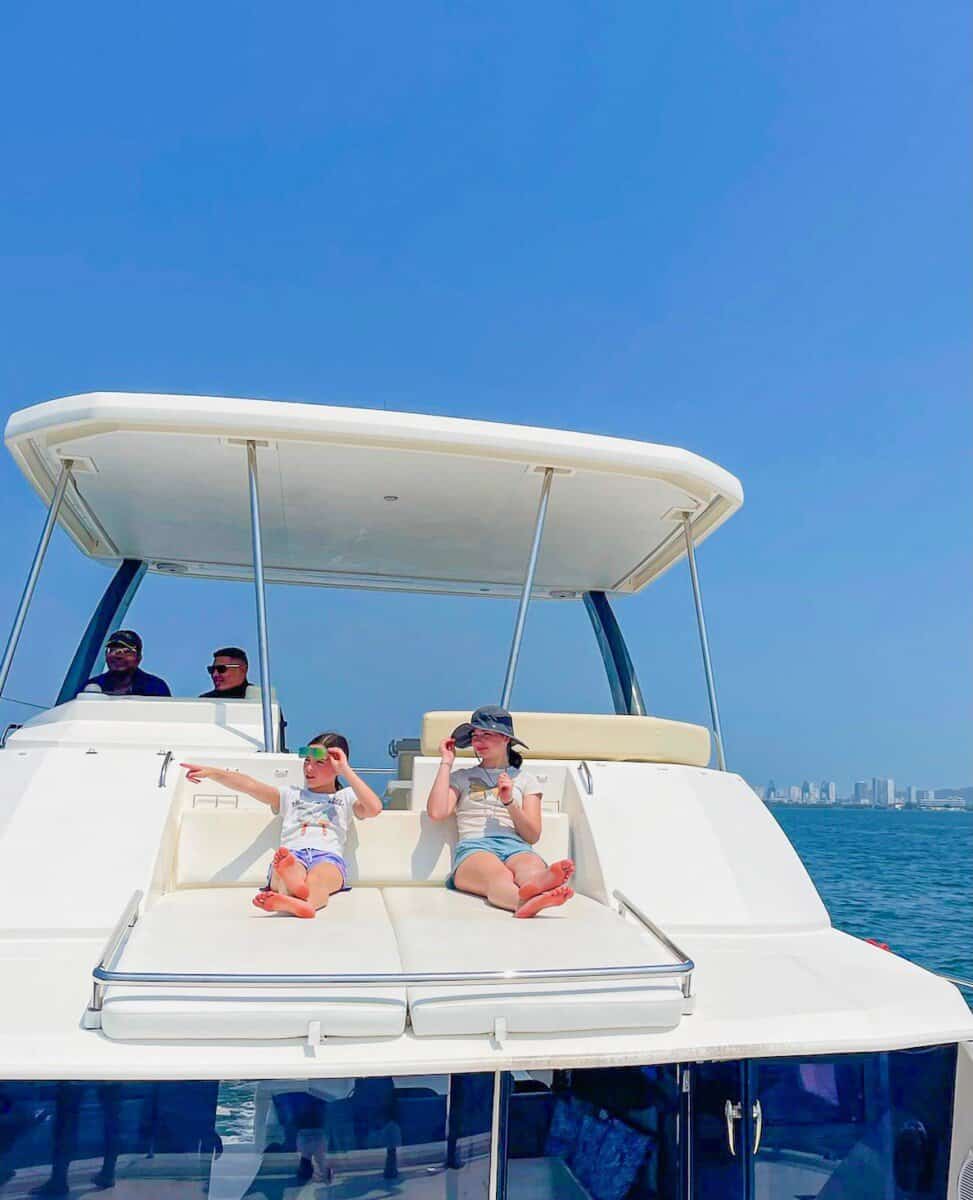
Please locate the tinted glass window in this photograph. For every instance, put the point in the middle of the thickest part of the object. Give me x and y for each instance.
(361, 1137)
(853, 1125)
(595, 1135)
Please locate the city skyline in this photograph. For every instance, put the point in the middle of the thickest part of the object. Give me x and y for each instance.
(878, 792)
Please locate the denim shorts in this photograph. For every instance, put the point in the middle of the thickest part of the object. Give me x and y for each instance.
(503, 845)
(314, 858)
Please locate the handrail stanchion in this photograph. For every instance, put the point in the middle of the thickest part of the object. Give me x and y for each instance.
(35, 569)
(508, 683)
(263, 643)
(704, 642)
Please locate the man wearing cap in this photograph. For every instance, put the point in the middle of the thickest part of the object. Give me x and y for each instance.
(124, 677)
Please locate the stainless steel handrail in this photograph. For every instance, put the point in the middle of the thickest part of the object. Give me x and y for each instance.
(962, 983)
(686, 963)
(11, 728)
(167, 759)
(102, 976)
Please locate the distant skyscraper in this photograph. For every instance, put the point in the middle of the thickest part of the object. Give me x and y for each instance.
(806, 792)
(863, 791)
(912, 796)
(771, 792)
(883, 792)
(829, 791)
(794, 793)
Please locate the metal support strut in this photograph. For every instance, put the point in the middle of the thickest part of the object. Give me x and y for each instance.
(624, 684)
(263, 644)
(508, 683)
(35, 569)
(704, 643)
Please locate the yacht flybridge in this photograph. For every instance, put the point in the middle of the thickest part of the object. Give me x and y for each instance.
(690, 1025)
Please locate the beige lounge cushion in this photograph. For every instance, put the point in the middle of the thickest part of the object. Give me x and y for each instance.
(218, 931)
(233, 847)
(589, 735)
(440, 930)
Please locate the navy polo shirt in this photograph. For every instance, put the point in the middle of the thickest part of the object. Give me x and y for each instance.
(143, 684)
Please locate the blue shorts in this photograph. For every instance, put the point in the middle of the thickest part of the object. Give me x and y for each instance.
(314, 858)
(503, 845)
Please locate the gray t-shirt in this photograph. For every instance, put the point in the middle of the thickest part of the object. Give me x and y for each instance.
(479, 810)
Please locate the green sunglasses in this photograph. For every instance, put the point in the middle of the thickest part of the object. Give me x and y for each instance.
(317, 753)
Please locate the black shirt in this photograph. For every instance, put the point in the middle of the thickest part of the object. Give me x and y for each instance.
(234, 693)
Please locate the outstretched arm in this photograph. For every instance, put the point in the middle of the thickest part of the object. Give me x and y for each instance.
(235, 780)
(367, 803)
(442, 797)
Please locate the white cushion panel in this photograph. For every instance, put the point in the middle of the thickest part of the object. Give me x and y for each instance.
(234, 847)
(598, 736)
(224, 848)
(218, 930)
(440, 930)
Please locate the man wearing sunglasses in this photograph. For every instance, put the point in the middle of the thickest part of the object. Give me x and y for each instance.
(228, 672)
(124, 677)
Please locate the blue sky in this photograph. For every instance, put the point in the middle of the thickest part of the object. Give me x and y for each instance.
(742, 229)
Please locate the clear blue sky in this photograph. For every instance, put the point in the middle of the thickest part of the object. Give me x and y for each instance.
(738, 228)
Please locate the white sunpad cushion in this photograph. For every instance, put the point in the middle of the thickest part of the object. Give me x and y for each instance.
(218, 930)
(441, 930)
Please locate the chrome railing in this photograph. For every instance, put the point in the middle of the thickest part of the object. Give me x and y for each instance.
(105, 975)
(685, 962)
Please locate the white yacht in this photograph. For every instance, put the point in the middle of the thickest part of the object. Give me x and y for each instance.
(689, 1026)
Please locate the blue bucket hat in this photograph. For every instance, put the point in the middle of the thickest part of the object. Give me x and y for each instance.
(492, 719)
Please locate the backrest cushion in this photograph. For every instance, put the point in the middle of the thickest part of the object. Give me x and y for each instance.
(233, 848)
(598, 736)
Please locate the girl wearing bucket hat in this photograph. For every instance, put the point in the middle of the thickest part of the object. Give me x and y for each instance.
(498, 817)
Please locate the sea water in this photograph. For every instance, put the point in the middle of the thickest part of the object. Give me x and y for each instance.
(903, 876)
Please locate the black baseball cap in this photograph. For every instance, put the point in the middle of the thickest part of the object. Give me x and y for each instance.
(492, 719)
(127, 638)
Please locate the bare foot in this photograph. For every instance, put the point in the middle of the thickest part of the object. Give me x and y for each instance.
(556, 874)
(275, 902)
(549, 899)
(292, 874)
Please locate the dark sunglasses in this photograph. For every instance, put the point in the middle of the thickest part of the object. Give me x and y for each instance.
(222, 668)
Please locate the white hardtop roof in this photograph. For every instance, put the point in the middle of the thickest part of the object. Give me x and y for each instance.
(364, 498)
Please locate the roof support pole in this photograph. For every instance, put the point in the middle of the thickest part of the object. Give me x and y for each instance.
(714, 708)
(35, 569)
(263, 643)
(108, 616)
(626, 692)
(535, 546)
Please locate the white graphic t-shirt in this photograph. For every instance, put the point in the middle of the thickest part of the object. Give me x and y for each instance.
(315, 820)
(479, 810)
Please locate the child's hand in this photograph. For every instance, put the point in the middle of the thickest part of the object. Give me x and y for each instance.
(447, 751)
(505, 788)
(196, 773)
(338, 758)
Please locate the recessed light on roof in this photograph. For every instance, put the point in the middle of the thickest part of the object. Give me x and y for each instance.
(390, 498)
